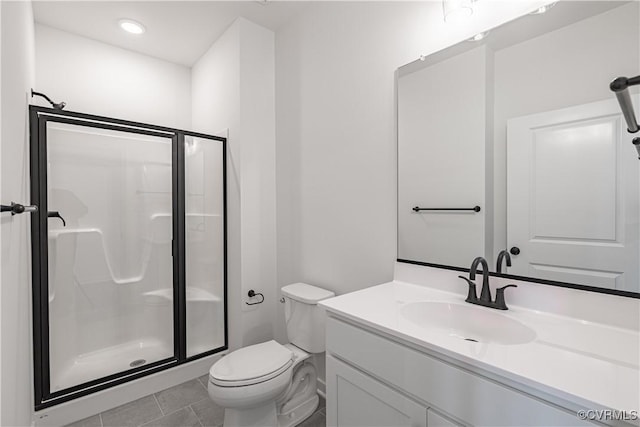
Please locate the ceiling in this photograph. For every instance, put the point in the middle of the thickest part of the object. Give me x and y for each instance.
(177, 31)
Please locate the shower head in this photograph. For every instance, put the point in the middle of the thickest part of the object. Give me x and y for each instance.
(55, 105)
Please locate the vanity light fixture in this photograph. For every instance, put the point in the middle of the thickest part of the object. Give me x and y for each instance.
(543, 9)
(131, 26)
(456, 10)
(479, 36)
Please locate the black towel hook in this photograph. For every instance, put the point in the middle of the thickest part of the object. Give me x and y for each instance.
(252, 294)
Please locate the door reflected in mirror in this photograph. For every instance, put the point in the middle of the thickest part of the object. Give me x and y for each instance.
(523, 124)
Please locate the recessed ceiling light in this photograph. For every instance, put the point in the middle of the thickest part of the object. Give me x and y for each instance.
(542, 9)
(479, 36)
(131, 26)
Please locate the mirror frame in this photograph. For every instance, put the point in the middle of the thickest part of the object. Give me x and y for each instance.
(439, 55)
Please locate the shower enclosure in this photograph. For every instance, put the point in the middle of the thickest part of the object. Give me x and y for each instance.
(128, 250)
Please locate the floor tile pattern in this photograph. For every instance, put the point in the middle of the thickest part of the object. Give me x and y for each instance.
(185, 405)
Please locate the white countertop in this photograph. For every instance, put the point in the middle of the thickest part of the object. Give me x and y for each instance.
(591, 365)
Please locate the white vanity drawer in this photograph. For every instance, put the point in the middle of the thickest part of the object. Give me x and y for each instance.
(469, 397)
(360, 401)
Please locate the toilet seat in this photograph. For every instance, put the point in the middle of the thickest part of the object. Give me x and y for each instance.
(251, 365)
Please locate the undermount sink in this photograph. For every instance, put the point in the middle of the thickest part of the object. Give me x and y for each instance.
(468, 322)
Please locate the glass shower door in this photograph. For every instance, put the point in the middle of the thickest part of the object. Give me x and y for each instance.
(109, 192)
(204, 244)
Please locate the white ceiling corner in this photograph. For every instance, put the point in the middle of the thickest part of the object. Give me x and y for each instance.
(177, 31)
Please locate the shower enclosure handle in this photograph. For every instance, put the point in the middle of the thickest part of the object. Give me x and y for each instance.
(17, 208)
(56, 214)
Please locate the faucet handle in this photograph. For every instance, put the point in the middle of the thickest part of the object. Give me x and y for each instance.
(471, 295)
(500, 304)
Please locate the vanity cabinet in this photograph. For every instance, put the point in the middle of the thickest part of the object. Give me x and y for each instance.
(374, 380)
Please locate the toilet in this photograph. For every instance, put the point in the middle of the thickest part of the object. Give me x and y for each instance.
(270, 384)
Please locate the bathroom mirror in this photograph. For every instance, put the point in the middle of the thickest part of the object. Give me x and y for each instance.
(515, 142)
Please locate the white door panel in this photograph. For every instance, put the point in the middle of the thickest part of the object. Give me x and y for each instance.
(585, 195)
(573, 186)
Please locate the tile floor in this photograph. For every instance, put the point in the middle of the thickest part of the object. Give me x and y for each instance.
(185, 405)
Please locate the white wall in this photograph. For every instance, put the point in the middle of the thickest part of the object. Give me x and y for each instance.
(97, 78)
(335, 119)
(233, 89)
(258, 183)
(17, 76)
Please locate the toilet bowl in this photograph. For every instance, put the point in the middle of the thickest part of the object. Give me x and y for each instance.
(270, 384)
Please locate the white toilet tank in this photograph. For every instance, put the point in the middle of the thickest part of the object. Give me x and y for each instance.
(305, 319)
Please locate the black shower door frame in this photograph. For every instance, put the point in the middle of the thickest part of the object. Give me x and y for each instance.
(38, 119)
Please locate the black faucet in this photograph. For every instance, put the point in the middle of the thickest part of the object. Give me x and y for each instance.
(503, 255)
(485, 294)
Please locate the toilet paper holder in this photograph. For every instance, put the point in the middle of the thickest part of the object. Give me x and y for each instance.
(253, 294)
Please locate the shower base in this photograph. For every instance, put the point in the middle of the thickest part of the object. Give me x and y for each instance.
(107, 361)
